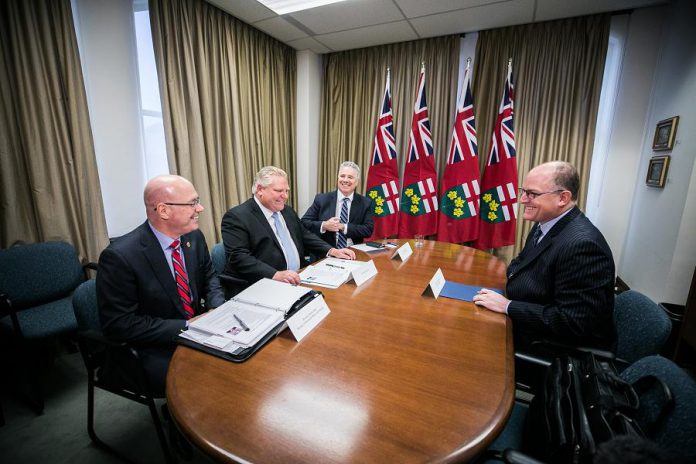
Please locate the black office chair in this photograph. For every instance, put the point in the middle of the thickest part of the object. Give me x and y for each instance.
(36, 285)
(231, 285)
(673, 432)
(114, 367)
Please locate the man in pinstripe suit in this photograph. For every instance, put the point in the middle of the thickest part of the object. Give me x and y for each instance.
(561, 286)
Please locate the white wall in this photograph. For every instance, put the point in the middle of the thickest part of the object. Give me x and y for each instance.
(108, 53)
(309, 79)
(660, 247)
(614, 174)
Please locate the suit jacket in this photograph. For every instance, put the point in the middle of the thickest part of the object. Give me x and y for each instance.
(324, 207)
(563, 288)
(252, 248)
(136, 291)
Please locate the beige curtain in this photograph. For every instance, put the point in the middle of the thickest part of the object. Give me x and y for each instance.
(353, 89)
(228, 98)
(557, 69)
(49, 186)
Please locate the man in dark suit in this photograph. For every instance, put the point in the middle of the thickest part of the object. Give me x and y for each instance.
(264, 238)
(151, 282)
(325, 215)
(561, 286)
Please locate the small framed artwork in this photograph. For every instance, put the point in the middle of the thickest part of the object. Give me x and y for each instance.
(665, 133)
(657, 171)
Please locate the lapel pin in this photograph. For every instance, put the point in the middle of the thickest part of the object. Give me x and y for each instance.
(188, 244)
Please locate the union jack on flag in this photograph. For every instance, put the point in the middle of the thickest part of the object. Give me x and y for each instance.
(503, 140)
(464, 144)
(420, 142)
(384, 145)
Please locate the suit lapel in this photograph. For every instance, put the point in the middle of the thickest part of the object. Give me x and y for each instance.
(355, 208)
(258, 214)
(154, 254)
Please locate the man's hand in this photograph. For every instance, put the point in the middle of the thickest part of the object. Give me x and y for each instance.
(343, 253)
(491, 300)
(290, 277)
(332, 225)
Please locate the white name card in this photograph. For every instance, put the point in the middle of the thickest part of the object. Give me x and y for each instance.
(436, 284)
(307, 318)
(403, 252)
(364, 273)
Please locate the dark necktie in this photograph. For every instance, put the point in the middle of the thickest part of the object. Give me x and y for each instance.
(341, 240)
(537, 235)
(182, 282)
(285, 242)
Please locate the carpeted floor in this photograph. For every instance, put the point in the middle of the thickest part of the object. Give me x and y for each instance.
(59, 435)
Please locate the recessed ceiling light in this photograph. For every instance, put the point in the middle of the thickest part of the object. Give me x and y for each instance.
(282, 7)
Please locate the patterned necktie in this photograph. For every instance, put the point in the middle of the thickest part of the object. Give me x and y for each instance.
(285, 242)
(537, 235)
(341, 240)
(182, 282)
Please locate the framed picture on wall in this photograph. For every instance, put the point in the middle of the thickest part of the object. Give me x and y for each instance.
(657, 171)
(665, 133)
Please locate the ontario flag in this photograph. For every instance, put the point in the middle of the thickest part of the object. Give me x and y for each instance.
(383, 176)
(499, 185)
(459, 203)
(419, 193)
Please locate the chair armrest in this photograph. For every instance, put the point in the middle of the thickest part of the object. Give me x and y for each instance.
(517, 457)
(228, 279)
(90, 265)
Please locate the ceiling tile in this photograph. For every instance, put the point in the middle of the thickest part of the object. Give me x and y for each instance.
(416, 8)
(280, 29)
(399, 31)
(309, 43)
(556, 9)
(475, 19)
(246, 10)
(348, 15)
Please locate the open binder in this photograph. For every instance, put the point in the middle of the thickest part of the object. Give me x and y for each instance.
(241, 326)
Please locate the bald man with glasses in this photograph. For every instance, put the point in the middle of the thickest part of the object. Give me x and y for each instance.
(561, 286)
(154, 280)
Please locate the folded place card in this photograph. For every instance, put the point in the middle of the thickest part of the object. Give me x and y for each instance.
(364, 273)
(403, 252)
(435, 285)
(307, 318)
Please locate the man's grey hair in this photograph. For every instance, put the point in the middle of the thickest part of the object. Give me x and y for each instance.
(566, 177)
(265, 175)
(350, 164)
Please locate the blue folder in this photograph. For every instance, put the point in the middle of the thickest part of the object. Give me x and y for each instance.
(463, 292)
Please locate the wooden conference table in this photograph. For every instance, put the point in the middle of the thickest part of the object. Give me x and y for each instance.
(388, 376)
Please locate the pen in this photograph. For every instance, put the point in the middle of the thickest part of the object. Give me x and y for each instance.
(392, 244)
(241, 322)
(333, 265)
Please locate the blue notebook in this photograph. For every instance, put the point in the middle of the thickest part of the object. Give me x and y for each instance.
(463, 292)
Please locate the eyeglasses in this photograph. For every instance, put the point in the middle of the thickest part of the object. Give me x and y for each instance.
(192, 204)
(531, 194)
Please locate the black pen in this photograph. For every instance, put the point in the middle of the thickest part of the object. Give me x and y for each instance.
(241, 322)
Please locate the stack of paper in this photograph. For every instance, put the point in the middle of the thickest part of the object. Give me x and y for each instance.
(330, 273)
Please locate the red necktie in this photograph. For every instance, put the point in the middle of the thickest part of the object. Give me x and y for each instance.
(182, 282)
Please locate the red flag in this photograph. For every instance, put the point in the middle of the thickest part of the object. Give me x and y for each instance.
(459, 203)
(419, 193)
(383, 176)
(499, 185)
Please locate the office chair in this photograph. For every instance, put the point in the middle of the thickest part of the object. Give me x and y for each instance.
(104, 360)
(642, 329)
(36, 284)
(231, 285)
(674, 432)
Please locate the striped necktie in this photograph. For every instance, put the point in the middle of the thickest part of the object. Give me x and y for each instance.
(341, 240)
(537, 235)
(182, 282)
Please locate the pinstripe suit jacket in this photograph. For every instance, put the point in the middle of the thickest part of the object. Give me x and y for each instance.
(563, 288)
